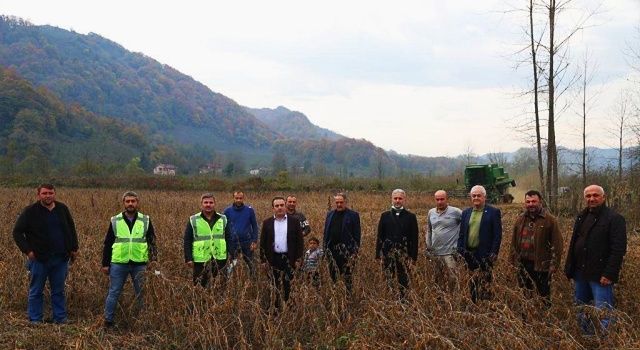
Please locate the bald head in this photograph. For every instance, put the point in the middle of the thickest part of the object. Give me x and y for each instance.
(596, 188)
(441, 200)
(594, 196)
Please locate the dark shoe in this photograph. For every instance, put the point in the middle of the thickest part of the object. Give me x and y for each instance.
(108, 324)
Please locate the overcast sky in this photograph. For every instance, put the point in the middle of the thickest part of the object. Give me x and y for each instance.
(421, 77)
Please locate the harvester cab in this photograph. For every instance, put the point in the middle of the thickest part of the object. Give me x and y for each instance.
(494, 179)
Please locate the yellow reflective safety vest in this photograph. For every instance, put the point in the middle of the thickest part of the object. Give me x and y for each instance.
(130, 245)
(208, 241)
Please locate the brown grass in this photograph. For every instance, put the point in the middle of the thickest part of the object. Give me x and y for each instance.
(179, 316)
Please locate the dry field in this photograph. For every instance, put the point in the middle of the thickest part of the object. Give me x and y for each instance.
(179, 316)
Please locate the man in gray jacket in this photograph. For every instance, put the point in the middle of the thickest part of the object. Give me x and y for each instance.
(443, 229)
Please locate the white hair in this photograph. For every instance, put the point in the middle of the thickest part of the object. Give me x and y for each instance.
(599, 188)
(398, 190)
(479, 188)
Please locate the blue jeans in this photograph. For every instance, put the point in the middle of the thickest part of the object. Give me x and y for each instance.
(117, 277)
(55, 270)
(602, 296)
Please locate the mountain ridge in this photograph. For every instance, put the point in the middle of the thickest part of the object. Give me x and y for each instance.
(296, 123)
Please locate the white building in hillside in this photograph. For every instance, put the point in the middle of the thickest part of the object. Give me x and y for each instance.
(165, 169)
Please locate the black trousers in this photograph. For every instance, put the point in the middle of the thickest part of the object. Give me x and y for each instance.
(529, 278)
(481, 282)
(340, 264)
(203, 271)
(395, 266)
(282, 273)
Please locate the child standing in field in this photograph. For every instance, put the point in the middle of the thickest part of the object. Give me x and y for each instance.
(311, 261)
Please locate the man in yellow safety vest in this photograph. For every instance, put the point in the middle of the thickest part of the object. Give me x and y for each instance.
(205, 241)
(128, 246)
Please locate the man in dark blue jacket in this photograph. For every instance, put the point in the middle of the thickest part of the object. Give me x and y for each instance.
(597, 248)
(46, 234)
(479, 241)
(244, 230)
(342, 239)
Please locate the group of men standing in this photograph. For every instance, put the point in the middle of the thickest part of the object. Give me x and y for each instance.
(596, 250)
(46, 234)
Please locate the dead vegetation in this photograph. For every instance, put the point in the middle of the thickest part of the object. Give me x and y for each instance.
(239, 316)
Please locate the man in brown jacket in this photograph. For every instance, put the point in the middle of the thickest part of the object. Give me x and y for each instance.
(536, 245)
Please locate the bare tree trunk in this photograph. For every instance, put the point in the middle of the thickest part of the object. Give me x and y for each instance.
(622, 120)
(588, 72)
(620, 152)
(534, 62)
(621, 112)
(584, 127)
(552, 154)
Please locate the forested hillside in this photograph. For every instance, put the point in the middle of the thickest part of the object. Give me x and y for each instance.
(38, 132)
(108, 80)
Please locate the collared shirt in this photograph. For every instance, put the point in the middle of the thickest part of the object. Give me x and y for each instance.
(280, 235)
(474, 228)
(443, 229)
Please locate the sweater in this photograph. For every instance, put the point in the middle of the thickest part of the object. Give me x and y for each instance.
(31, 231)
(243, 224)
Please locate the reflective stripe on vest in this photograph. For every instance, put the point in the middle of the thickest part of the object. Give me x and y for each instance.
(130, 245)
(208, 241)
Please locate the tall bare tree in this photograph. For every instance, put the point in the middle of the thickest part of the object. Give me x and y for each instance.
(622, 119)
(559, 79)
(551, 24)
(534, 64)
(587, 74)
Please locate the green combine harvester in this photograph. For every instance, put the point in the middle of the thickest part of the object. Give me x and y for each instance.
(494, 179)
